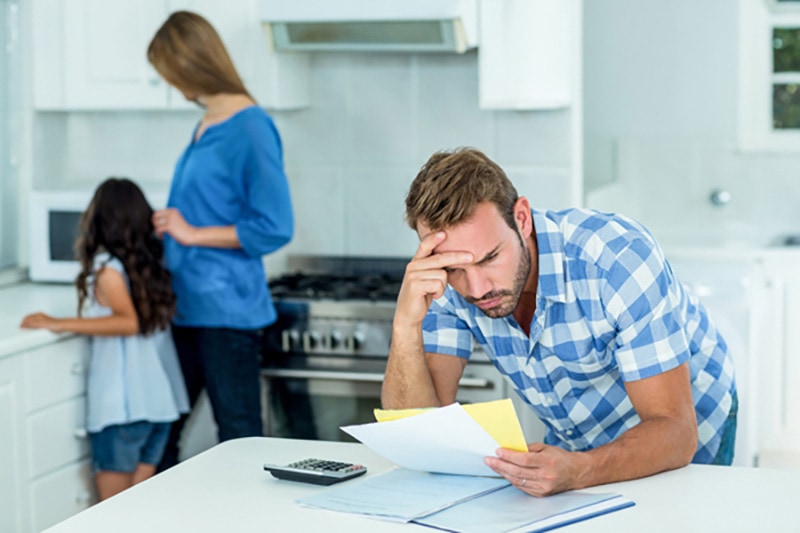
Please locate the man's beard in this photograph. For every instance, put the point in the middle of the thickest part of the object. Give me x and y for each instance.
(520, 279)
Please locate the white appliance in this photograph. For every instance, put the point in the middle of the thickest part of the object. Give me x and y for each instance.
(53, 227)
(371, 25)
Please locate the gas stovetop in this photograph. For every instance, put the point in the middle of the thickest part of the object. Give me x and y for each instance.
(340, 279)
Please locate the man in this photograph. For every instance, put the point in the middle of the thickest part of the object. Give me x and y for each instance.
(580, 311)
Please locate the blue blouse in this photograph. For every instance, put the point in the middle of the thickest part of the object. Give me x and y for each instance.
(232, 176)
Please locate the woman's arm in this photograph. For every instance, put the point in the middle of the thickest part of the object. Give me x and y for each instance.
(111, 290)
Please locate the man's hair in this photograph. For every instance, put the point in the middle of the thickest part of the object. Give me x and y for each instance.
(451, 184)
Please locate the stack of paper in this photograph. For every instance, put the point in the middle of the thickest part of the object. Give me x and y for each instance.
(449, 440)
(442, 451)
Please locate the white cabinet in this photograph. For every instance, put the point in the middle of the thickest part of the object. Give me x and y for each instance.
(529, 55)
(44, 453)
(92, 55)
(779, 369)
(12, 445)
(754, 298)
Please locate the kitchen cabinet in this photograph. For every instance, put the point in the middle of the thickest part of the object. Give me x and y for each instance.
(12, 444)
(530, 54)
(754, 299)
(779, 369)
(45, 474)
(92, 55)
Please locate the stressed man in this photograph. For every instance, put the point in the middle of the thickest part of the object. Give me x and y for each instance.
(579, 310)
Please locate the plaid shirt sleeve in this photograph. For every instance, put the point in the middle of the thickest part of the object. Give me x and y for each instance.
(443, 331)
(643, 298)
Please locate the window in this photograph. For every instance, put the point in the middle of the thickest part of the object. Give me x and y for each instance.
(9, 123)
(769, 75)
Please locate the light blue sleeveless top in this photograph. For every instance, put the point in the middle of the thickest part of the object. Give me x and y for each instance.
(131, 378)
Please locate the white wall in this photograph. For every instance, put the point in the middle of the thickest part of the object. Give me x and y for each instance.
(660, 85)
(350, 156)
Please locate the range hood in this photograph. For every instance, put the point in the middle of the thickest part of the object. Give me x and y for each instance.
(371, 25)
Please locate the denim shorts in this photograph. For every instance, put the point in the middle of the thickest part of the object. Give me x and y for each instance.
(120, 448)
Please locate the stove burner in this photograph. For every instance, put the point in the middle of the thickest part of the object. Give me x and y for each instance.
(374, 287)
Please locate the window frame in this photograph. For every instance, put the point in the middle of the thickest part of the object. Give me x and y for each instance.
(757, 19)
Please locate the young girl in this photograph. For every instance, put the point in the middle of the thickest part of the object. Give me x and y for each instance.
(135, 388)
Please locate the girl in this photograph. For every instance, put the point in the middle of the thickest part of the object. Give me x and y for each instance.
(135, 389)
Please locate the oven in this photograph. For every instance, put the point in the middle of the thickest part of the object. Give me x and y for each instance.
(325, 357)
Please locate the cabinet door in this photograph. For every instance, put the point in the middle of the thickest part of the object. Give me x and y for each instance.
(105, 54)
(56, 372)
(12, 510)
(61, 494)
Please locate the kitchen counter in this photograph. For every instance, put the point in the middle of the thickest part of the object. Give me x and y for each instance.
(24, 298)
(225, 489)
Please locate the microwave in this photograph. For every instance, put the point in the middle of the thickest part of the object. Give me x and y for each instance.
(54, 218)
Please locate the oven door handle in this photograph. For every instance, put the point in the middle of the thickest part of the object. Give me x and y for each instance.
(365, 377)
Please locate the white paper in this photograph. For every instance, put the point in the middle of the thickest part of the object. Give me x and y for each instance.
(446, 440)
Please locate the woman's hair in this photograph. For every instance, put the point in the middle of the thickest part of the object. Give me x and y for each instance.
(451, 184)
(118, 221)
(189, 54)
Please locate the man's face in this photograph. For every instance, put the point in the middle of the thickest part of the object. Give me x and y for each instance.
(495, 280)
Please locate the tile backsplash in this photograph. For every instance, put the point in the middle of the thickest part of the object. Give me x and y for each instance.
(350, 157)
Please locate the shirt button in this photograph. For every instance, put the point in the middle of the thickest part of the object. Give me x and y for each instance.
(569, 432)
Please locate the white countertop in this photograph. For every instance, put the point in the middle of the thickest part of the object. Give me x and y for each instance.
(21, 299)
(225, 489)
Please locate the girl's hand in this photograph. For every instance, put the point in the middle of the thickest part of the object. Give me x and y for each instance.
(171, 221)
(41, 321)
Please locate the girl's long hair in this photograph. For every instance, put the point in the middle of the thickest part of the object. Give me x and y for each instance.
(118, 221)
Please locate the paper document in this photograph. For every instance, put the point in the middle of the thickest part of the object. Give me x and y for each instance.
(447, 439)
(402, 494)
(497, 417)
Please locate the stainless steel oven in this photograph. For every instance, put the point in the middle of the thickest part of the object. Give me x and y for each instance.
(325, 357)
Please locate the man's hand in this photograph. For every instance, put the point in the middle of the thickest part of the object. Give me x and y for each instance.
(541, 471)
(425, 280)
(409, 381)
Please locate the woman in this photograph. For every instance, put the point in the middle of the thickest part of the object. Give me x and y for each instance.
(228, 206)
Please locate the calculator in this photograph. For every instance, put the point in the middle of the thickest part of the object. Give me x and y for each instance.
(316, 471)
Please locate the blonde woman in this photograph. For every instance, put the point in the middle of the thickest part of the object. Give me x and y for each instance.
(228, 206)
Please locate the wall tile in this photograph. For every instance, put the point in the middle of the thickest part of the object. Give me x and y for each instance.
(381, 114)
(448, 105)
(375, 211)
(541, 138)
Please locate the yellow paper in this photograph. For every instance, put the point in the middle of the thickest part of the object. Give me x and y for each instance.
(497, 417)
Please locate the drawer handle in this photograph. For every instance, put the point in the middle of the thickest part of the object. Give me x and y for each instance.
(83, 498)
(80, 433)
(77, 369)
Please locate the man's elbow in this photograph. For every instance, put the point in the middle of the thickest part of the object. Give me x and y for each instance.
(686, 443)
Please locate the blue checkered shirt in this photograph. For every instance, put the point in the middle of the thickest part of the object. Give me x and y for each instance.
(608, 310)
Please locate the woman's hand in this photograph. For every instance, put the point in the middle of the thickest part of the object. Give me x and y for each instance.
(171, 221)
(41, 321)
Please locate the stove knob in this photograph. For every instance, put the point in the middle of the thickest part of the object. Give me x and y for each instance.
(311, 340)
(290, 340)
(356, 341)
(335, 339)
